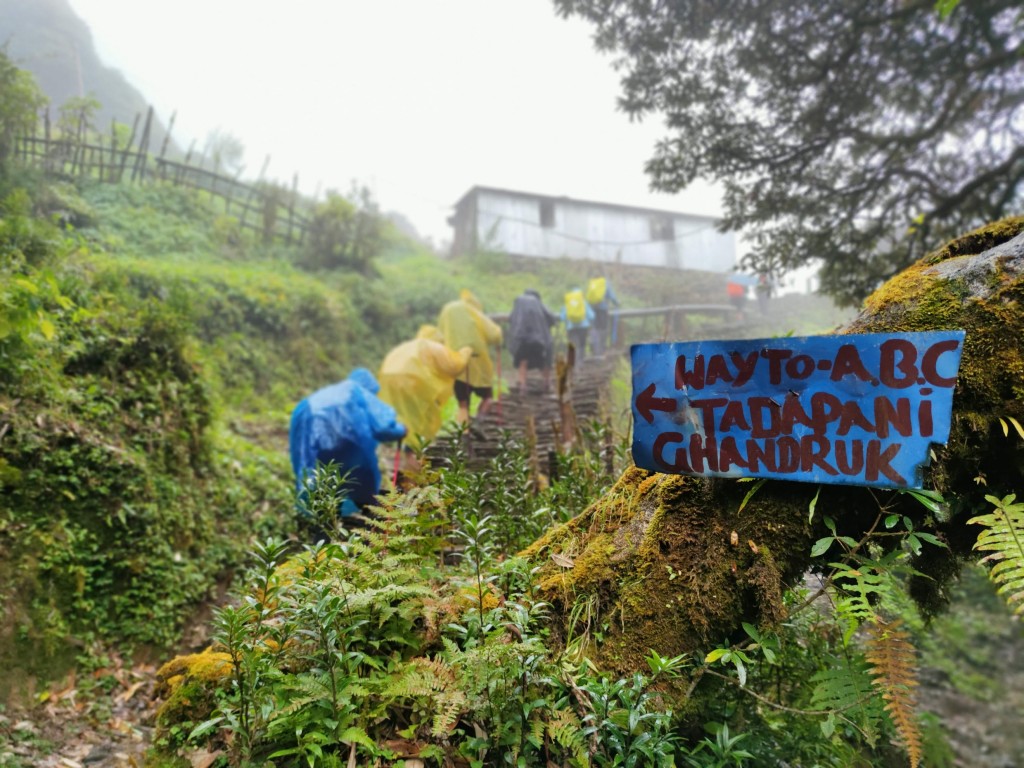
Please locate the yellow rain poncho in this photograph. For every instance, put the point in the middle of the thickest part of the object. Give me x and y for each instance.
(463, 324)
(417, 378)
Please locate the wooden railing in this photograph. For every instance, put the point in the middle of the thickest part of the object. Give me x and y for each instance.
(677, 320)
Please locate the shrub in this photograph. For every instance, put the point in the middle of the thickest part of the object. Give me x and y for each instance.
(344, 235)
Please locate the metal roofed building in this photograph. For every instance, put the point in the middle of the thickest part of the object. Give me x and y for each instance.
(541, 226)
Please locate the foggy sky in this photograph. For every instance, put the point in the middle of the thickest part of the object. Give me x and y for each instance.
(417, 100)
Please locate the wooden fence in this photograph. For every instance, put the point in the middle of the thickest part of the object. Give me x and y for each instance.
(272, 211)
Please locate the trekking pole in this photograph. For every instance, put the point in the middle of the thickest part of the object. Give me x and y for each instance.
(469, 401)
(398, 461)
(497, 398)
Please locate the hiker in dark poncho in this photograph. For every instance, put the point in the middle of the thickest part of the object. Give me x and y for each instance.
(530, 337)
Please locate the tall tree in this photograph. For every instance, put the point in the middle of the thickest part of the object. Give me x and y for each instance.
(863, 133)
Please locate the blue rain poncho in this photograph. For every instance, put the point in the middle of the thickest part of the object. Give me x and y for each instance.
(343, 423)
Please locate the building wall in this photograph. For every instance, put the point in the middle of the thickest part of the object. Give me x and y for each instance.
(572, 229)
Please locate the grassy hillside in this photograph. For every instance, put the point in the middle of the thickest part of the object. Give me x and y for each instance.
(148, 363)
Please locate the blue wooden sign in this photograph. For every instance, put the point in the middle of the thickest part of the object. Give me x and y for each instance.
(857, 410)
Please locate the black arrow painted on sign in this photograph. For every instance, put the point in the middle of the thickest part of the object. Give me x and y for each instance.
(647, 403)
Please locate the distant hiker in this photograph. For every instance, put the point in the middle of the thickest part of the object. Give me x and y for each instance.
(417, 378)
(463, 324)
(529, 331)
(737, 293)
(763, 291)
(599, 297)
(343, 423)
(577, 316)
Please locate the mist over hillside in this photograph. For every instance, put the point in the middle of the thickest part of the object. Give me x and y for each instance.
(51, 41)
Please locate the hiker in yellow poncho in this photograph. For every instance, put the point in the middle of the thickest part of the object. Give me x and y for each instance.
(463, 324)
(417, 378)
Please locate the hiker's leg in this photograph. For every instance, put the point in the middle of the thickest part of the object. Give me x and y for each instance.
(462, 392)
(485, 405)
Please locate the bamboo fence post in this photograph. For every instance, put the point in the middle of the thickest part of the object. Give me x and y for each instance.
(46, 148)
(139, 170)
(250, 193)
(235, 184)
(72, 150)
(227, 197)
(188, 156)
(291, 207)
(256, 193)
(163, 146)
(214, 176)
(113, 148)
(26, 145)
(270, 204)
(128, 147)
(83, 146)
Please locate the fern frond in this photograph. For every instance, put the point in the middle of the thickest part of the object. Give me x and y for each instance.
(537, 728)
(841, 688)
(892, 658)
(1003, 536)
(846, 689)
(302, 691)
(422, 677)
(861, 589)
(452, 706)
(437, 683)
(438, 610)
(566, 730)
(294, 705)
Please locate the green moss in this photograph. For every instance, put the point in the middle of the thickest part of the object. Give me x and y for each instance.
(955, 288)
(959, 286)
(188, 684)
(658, 556)
(979, 240)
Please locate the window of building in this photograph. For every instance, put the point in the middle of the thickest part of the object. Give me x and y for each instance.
(663, 228)
(547, 213)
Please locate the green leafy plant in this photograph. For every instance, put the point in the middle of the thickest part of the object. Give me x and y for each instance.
(721, 752)
(344, 234)
(20, 100)
(625, 725)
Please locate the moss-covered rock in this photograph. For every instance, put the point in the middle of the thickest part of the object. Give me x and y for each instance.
(188, 685)
(669, 563)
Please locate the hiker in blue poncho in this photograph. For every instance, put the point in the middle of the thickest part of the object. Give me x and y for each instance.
(343, 423)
